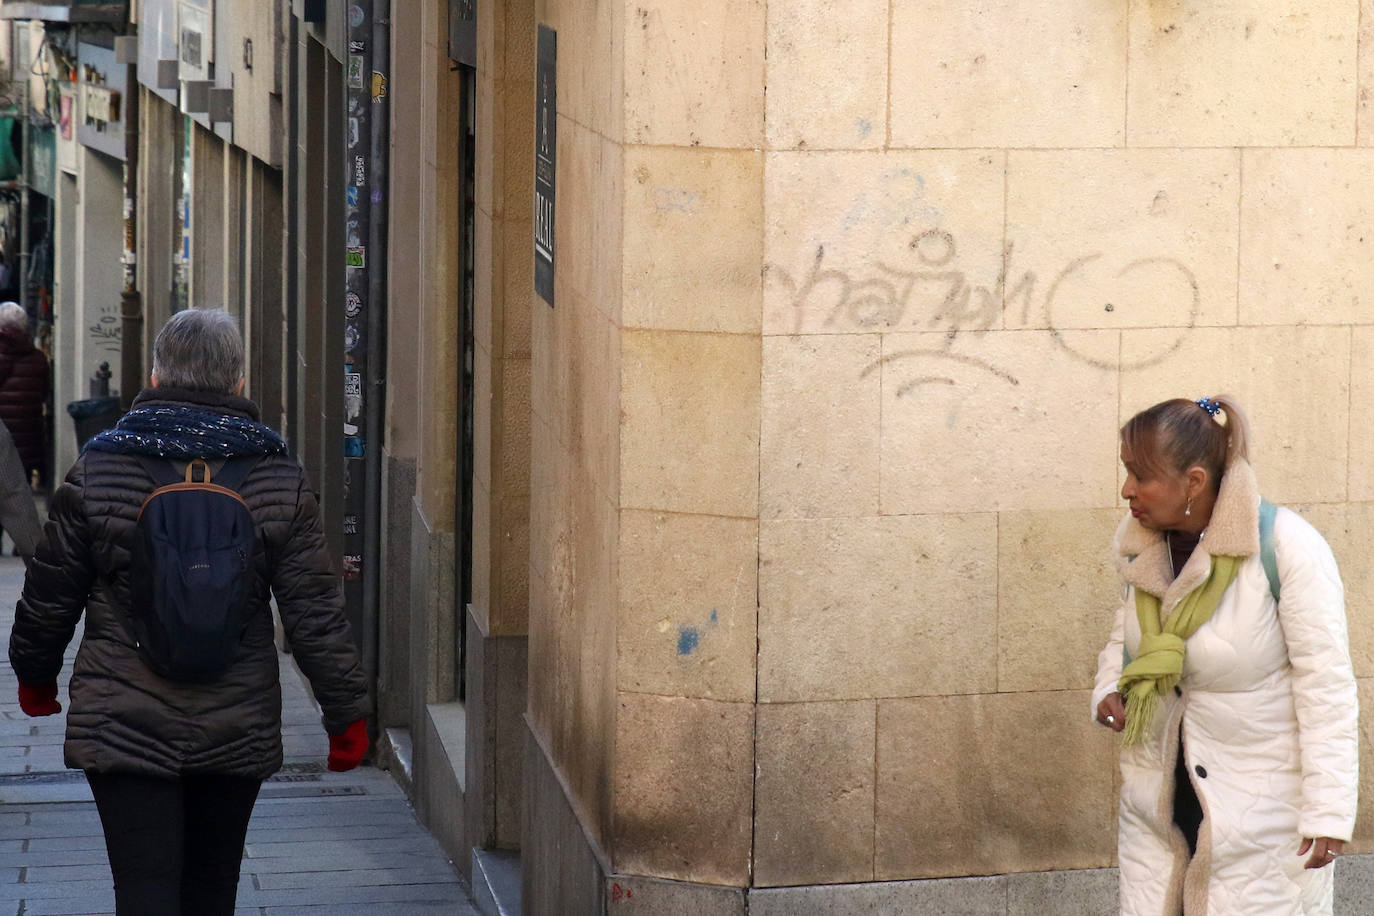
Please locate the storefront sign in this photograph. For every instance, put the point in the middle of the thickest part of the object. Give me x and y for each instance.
(545, 161)
(43, 162)
(195, 42)
(100, 100)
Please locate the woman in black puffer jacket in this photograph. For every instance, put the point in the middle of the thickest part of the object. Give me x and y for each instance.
(175, 767)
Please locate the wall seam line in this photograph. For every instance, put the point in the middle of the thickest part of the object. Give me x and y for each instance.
(997, 605)
(1240, 223)
(888, 143)
(1006, 253)
(1126, 87)
(1359, 72)
(758, 500)
(1349, 411)
(873, 859)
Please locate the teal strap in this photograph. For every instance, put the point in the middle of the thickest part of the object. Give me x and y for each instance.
(1267, 511)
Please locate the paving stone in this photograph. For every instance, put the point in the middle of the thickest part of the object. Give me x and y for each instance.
(319, 843)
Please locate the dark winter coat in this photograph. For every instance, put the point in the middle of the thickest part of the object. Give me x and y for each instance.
(23, 391)
(125, 718)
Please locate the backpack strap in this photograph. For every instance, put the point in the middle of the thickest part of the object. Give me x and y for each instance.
(166, 471)
(1267, 512)
(234, 472)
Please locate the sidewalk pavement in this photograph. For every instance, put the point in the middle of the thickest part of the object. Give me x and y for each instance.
(319, 842)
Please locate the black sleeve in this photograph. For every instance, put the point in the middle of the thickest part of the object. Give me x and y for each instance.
(56, 587)
(310, 602)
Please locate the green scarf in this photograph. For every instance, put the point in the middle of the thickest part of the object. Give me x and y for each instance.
(1159, 662)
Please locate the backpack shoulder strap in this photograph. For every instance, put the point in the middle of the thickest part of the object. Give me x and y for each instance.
(234, 472)
(160, 469)
(167, 471)
(1267, 512)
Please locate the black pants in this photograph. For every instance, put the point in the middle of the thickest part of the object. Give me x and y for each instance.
(1187, 808)
(175, 845)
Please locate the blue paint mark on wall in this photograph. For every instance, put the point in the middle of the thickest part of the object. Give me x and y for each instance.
(688, 638)
(713, 617)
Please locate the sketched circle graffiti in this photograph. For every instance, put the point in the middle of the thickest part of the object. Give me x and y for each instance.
(934, 247)
(1171, 272)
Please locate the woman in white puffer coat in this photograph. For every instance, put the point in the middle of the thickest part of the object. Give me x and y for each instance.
(1232, 684)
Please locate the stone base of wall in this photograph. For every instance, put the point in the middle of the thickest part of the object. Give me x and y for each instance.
(564, 871)
(495, 703)
(394, 663)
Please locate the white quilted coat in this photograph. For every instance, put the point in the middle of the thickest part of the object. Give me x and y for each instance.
(1268, 713)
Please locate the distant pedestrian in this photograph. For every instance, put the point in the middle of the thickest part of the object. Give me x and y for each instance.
(1228, 673)
(175, 767)
(24, 383)
(17, 511)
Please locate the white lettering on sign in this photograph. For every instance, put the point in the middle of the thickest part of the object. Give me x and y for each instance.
(543, 226)
(101, 104)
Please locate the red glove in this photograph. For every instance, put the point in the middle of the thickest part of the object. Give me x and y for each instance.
(40, 700)
(346, 751)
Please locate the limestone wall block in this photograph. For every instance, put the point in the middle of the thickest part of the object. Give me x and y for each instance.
(482, 559)
(1121, 238)
(683, 790)
(1057, 593)
(1243, 73)
(593, 395)
(1346, 527)
(545, 466)
(689, 422)
(869, 241)
(1001, 420)
(814, 793)
(572, 640)
(820, 436)
(591, 57)
(608, 224)
(510, 601)
(549, 367)
(1300, 418)
(482, 418)
(1364, 124)
(694, 73)
(511, 461)
(578, 197)
(1032, 74)
(589, 227)
(982, 785)
(583, 579)
(486, 239)
(688, 605)
(1307, 237)
(693, 239)
(827, 74)
(1361, 414)
(877, 607)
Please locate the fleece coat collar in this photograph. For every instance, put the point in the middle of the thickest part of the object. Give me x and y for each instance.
(1233, 531)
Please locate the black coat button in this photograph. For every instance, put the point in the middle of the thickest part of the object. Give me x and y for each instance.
(1201, 771)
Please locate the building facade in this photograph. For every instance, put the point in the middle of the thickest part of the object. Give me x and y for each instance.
(730, 529)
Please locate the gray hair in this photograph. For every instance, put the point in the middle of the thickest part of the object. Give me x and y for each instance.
(199, 349)
(12, 315)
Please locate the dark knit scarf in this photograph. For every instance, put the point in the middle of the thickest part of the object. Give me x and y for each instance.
(182, 424)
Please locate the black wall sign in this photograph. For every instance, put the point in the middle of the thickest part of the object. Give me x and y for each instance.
(462, 31)
(545, 159)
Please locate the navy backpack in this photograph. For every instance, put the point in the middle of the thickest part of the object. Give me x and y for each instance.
(189, 576)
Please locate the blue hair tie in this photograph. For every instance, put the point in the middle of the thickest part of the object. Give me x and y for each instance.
(1209, 405)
